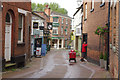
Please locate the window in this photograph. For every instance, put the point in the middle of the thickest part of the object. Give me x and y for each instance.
(7, 17)
(111, 3)
(55, 30)
(20, 28)
(35, 24)
(61, 30)
(55, 20)
(66, 21)
(86, 11)
(115, 1)
(62, 20)
(71, 22)
(66, 32)
(92, 6)
(78, 31)
(102, 3)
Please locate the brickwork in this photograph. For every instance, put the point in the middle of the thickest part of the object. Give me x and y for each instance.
(114, 14)
(16, 48)
(0, 30)
(96, 18)
(65, 26)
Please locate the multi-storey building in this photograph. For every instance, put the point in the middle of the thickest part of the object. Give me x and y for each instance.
(77, 25)
(46, 16)
(60, 33)
(95, 15)
(37, 33)
(16, 29)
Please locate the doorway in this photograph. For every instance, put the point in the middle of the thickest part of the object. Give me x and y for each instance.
(8, 30)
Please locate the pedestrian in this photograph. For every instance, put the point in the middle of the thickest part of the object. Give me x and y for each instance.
(84, 45)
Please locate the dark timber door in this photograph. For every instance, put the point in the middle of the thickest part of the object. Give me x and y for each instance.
(85, 39)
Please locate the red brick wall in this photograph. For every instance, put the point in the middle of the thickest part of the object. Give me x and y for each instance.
(64, 27)
(114, 16)
(0, 30)
(17, 49)
(96, 18)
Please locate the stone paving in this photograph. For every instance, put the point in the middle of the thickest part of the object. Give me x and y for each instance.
(56, 65)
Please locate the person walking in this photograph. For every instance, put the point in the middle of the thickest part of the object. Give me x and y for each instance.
(84, 45)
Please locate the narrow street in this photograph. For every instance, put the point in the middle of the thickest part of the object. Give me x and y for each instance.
(56, 65)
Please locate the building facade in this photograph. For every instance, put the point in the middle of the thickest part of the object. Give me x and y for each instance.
(47, 20)
(37, 33)
(95, 15)
(16, 29)
(60, 33)
(114, 38)
(77, 25)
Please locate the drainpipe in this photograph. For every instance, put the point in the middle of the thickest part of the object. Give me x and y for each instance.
(108, 34)
(119, 45)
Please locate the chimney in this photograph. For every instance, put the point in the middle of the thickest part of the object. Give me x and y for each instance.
(47, 10)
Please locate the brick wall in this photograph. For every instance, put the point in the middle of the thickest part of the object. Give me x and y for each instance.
(94, 19)
(17, 49)
(114, 20)
(0, 31)
(65, 26)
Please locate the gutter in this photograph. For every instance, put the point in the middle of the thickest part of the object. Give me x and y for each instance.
(108, 35)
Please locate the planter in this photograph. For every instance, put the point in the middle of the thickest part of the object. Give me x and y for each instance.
(102, 63)
(105, 64)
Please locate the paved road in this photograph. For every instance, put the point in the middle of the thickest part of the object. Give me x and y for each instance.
(56, 65)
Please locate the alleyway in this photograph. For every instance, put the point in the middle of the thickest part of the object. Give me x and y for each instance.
(56, 65)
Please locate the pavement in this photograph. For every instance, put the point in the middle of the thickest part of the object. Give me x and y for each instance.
(56, 65)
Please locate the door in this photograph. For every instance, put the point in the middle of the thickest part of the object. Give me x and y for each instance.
(8, 28)
(85, 40)
(8, 42)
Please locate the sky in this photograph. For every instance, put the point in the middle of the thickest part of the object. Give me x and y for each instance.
(69, 5)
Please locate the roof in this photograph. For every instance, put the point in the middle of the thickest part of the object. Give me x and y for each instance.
(41, 12)
(56, 13)
(78, 9)
(38, 15)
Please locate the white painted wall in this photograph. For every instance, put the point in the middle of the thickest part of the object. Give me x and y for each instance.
(36, 19)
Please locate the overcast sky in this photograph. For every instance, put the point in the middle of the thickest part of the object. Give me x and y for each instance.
(70, 5)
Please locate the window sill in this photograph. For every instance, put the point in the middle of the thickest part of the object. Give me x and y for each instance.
(102, 4)
(55, 22)
(54, 34)
(92, 10)
(21, 43)
(85, 19)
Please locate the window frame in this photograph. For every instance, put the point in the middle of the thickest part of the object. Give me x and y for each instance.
(66, 21)
(61, 30)
(56, 21)
(85, 11)
(21, 41)
(55, 28)
(102, 3)
(62, 20)
(92, 5)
